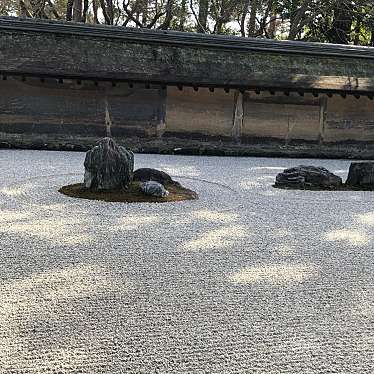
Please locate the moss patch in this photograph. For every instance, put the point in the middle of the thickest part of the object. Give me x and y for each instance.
(133, 194)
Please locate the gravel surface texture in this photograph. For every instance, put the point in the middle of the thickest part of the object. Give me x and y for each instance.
(247, 279)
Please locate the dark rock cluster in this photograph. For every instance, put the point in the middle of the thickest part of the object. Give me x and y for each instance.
(307, 177)
(109, 166)
(360, 177)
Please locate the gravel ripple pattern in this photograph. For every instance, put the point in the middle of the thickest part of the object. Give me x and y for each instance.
(247, 279)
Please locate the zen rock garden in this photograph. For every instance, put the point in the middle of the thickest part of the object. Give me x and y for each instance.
(91, 284)
(109, 176)
(360, 177)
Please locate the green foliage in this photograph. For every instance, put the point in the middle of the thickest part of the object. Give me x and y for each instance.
(331, 21)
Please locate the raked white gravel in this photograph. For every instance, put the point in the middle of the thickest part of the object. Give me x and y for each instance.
(247, 279)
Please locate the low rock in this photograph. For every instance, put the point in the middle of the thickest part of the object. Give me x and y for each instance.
(148, 174)
(361, 174)
(307, 177)
(108, 166)
(153, 188)
(5, 145)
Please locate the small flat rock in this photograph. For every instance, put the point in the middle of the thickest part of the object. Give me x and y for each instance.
(307, 177)
(155, 189)
(108, 166)
(361, 174)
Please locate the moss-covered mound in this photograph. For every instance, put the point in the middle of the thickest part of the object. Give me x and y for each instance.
(133, 194)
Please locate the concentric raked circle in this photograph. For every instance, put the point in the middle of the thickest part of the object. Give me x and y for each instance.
(42, 191)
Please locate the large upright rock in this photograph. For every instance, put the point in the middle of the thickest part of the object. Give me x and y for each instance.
(361, 174)
(108, 166)
(307, 177)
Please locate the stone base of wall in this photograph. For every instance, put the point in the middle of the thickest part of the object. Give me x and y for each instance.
(170, 145)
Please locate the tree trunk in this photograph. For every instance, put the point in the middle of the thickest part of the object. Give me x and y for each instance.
(341, 26)
(203, 15)
(169, 15)
(23, 12)
(218, 26)
(263, 23)
(69, 10)
(183, 15)
(243, 17)
(110, 11)
(105, 13)
(252, 18)
(85, 10)
(144, 12)
(77, 11)
(357, 33)
(272, 29)
(297, 18)
(94, 7)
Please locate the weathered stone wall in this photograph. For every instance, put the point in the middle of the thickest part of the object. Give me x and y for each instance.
(349, 119)
(50, 114)
(80, 109)
(270, 117)
(192, 113)
(281, 117)
(65, 85)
